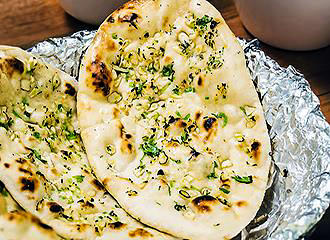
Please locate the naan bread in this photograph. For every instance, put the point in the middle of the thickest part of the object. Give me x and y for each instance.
(16, 224)
(171, 120)
(7, 203)
(20, 225)
(42, 160)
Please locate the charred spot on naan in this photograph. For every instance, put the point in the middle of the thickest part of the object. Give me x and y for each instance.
(11, 65)
(129, 17)
(203, 203)
(241, 203)
(198, 115)
(209, 123)
(127, 147)
(105, 181)
(21, 160)
(55, 207)
(200, 81)
(117, 225)
(21, 216)
(181, 124)
(82, 227)
(7, 165)
(97, 185)
(86, 204)
(106, 41)
(128, 136)
(256, 150)
(165, 21)
(100, 80)
(168, 60)
(39, 223)
(116, 112)
(70, 90)
(140, 232)
(30, 184)
(110, 19)
(25, 171)
(210, 126)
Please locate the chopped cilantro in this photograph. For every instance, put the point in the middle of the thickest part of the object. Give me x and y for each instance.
(114, 36)
(60, 107)
(79, 178)
(178, 114)
(179, 207)
(189, 89)
(245, 180)
(37, 155)
(149, 147)
(186, 118)
(184, 136)
(202, 22)
(25, 101)
(207, 98)
(16, 114)
(212, 175)
(222, 116)
(226, 191)
(71, 135)
(168, 71)
(36, 135)
(137, 88)
(176, 90)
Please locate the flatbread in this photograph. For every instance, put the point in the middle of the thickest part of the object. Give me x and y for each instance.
(19, 225)
(7, 203)
(171, 120)
(42, 160)
(16, 224)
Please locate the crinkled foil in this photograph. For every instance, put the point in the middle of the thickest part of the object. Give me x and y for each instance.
(299, 185)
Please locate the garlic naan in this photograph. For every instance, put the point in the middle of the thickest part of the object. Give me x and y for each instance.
(42, 160)
(171, 121)
(16, 224)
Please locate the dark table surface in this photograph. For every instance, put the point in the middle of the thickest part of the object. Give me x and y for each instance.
(25, 22)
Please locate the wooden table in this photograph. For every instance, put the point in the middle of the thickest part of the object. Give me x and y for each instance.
(25, 22)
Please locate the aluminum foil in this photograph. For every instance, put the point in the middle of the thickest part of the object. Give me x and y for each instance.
(299, 185)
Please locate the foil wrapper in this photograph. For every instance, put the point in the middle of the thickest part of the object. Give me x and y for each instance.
(299, 181)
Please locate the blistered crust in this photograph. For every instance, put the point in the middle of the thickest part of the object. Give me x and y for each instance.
(181, 90)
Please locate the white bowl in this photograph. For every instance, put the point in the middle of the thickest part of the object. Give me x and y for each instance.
(90, 11)
(288, 24)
